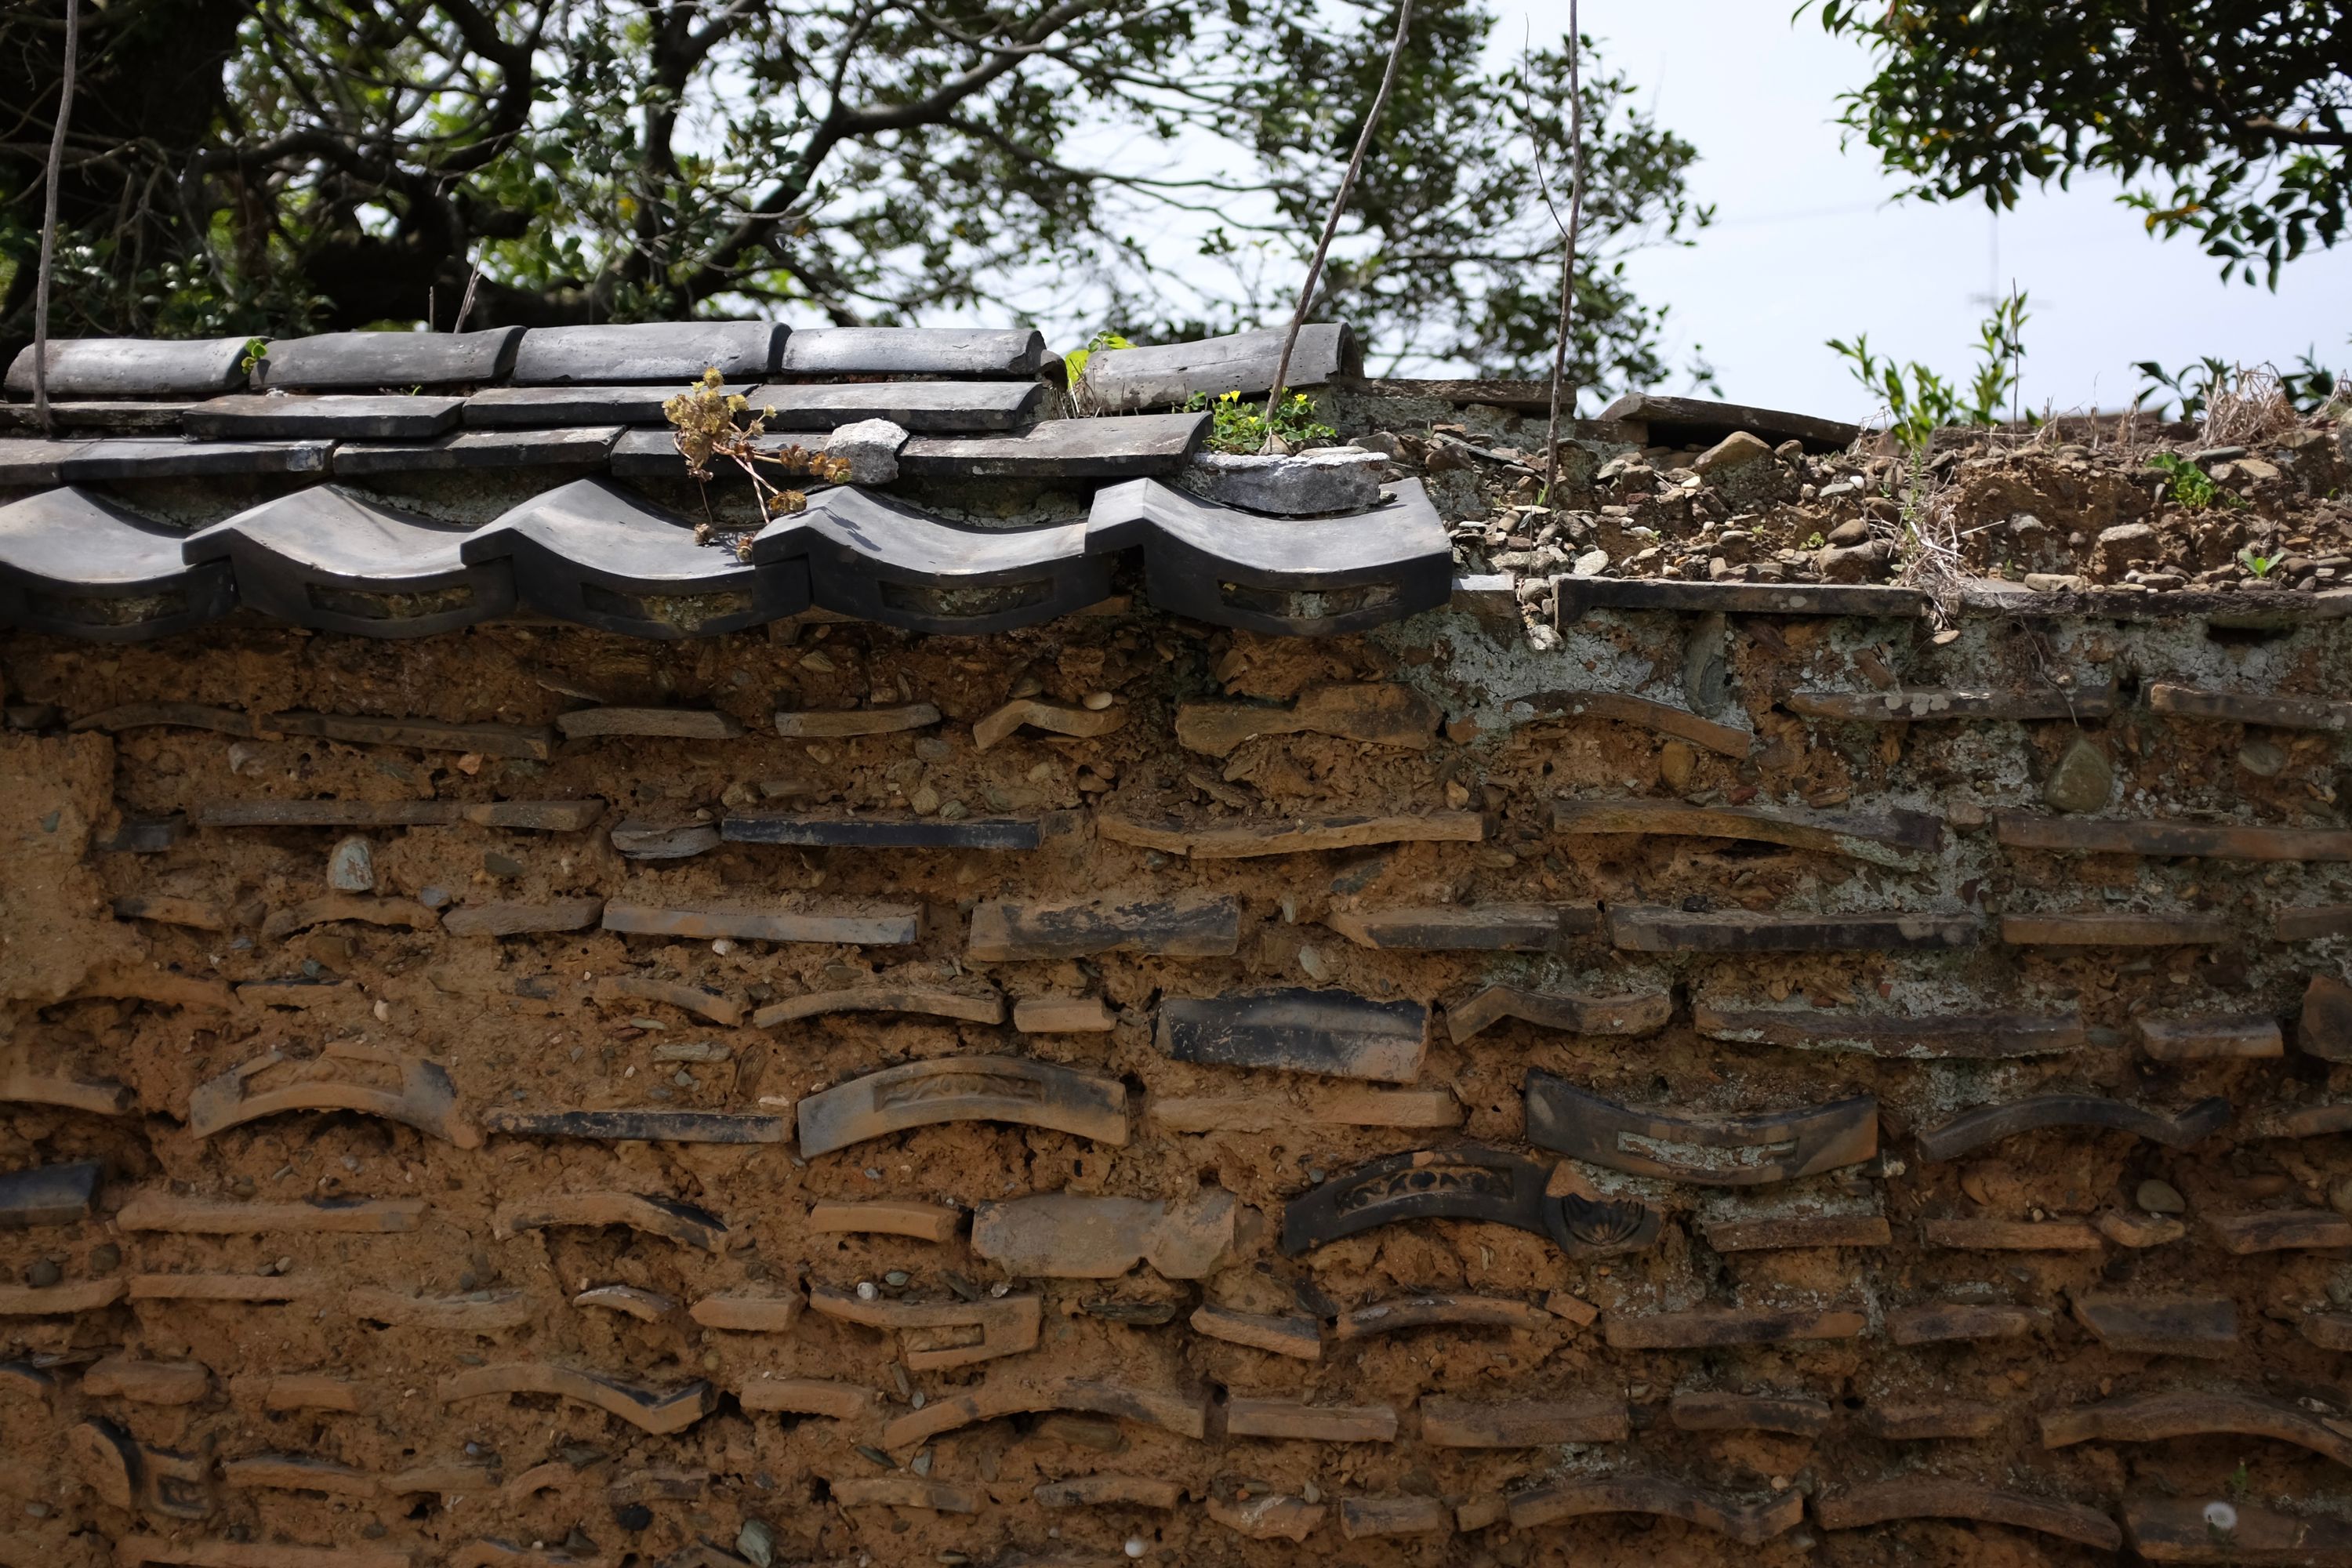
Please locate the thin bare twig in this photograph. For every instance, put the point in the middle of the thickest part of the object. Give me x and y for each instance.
(1568, 254)
(1338, 206)
(49, 220)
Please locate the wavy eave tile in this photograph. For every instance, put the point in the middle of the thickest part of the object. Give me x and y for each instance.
(1282, 576)
(75, 565)
(328, 558)
(593, 553)
(883, 561)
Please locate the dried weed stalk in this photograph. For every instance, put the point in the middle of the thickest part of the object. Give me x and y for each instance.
(1928, 542)
(703, 420)
(2252, 407)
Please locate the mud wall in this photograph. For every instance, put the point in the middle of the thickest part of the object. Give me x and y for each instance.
(364, 1266)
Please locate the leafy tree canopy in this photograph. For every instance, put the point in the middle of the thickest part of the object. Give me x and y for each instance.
(2227, 116)
(1159, 167)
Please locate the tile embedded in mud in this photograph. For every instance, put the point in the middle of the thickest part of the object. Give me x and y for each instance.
(1401, 1313)
(1978, 1235)
(1634, 1015)
(887, 1217)
(942, 1334)
(972, 1008)
(2157, 1417)
(2215, 841)
(2209, 1037)
(1072, 720)
(1712, 1412)
(670, 723)
(1790, 1232)
(1190, 926)
(533, 815)
(1294, 1334)
(1079, 1236)
(518, 918)
(1750, 1149)
(1227, 839)
(1705, 1327)
(2182, 1529)
(2269, 709)
(1895, 839)
(1493, 928)
(2281, 1230)
(821, 723)
(1651, 929)
(1333, 1032)
(638, 1126)
(1749, 1524)
(2142, 1324)
(1450, 1422)
(171, 1212)
(650, 1213)
(1904, 705)
(1945, 1323)
(1939, 1497)
(963, 1089)
(1374, 713)
(1991, 1123)
(1295, 1420)
(886, 926)
(1959, 1035)
(657, 1411)
(881, 831)
(44, 1196)
(425, 1098)
(1464, 1182)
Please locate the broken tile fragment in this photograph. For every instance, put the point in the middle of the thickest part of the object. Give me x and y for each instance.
(531, 742)
(1987, 1124)
(2011, 1235)
(506, 918)
(2281, 1230)
(1906, 704)
(1447, 1422)
(639, 1126)
(1701, 1327)
(2143, 1324)
(660, 1412)
(1379, 714)
(975, 1007)
(819, 724)
(1373, 1519)
(1486, 928)
(887, 1217)
(1735, 1151)
(884, 926)
(668, 723)
(1897, 838)
(652, 1213)
(1987, 1036)
(1293, 1335)
(1068, 719)
(2324, 1028)
(2216, 841)
(43, 1195)
(1230, 840)
(935, 1336)
(1333, 1032)
(1190, 925)
(1295, 1420)
(1943, 1322)
(1749, 1524)
(1073, 1235)
(2207, 1036)
(1464, 1182)
(1631, 1016)
(1706, 1412)
(1942, 1497)
(1651, 929)
(963, 1089)
(1063, 1015)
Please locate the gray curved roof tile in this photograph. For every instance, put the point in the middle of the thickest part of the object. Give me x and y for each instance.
(648, 351)
(1287, 576)
(134, 367)
(884, 561)
(1121, 379)
(328, 558)
(914, 351)
(73, 563)
(361, 362)
(593, 553)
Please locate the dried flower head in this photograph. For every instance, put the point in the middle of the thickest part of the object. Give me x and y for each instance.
(708, 426)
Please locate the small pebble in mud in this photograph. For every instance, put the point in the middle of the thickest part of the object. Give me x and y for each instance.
(633, 1517)
(43, 1274)
(2161, 1197)
(105, 1258)
(351, 868)
(1134, 1546)
(866, 1290)
(1097, 700)
(897, 1277)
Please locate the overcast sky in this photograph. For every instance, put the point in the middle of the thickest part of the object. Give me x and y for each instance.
(1807, 244)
